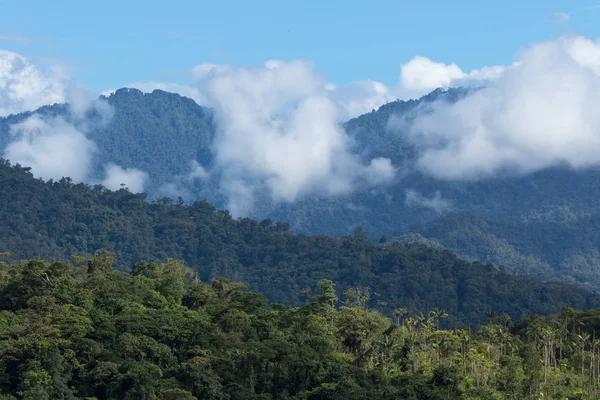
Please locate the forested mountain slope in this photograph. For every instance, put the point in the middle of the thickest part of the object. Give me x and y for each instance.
(565, 247)
(55, 220)
(159, 133)
(163, 133)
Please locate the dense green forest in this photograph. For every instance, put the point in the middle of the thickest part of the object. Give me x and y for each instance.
(82, 330)
(564, 248)
(542, 223)
(54, 220)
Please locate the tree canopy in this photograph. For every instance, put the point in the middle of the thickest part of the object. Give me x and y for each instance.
(55, 220)
(82, 330)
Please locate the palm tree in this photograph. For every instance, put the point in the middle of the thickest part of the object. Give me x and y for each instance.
(401, 314)
(582, 340)
(464, 337)
(438, 314)
(505, 320)
(547, 336)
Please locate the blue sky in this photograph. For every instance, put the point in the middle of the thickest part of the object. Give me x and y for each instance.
(109, 43)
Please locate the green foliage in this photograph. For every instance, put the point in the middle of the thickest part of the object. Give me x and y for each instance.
(130, 339)
(565, 250)
(56, 220)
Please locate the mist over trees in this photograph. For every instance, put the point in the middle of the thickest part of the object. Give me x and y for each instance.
(164, 144)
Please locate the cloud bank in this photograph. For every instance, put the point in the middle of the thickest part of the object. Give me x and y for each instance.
(279, 124)
(540, 112)
(279, 130)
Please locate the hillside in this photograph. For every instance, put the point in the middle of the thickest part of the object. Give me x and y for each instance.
(162, 133)
(159, 133)
(563, 247)
(56, 220)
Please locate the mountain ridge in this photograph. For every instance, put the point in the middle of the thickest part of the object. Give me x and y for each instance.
(163, 133)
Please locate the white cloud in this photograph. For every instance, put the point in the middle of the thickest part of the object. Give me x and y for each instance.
(541, 112)
(380, 171)
(118, 177)
(25, 86)
(421, 74)
(279, 124)
(418, 77)
(279, 129)
(197, 171)
(52, 148)
(180, 184)
(435, 203)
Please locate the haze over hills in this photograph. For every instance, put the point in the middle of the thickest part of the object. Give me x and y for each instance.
(164, 144)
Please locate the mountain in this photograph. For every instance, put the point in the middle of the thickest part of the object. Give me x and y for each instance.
(504, 220)
(56, 220)
(159, 133)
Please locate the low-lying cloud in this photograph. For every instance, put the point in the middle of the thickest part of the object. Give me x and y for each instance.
(279, 124)
(180, 185)
(118, 178)
(197, 172)
(52, 147)
(541, 112)
(56, 146)
(435, 203)
(278, 130)
(421, 73)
